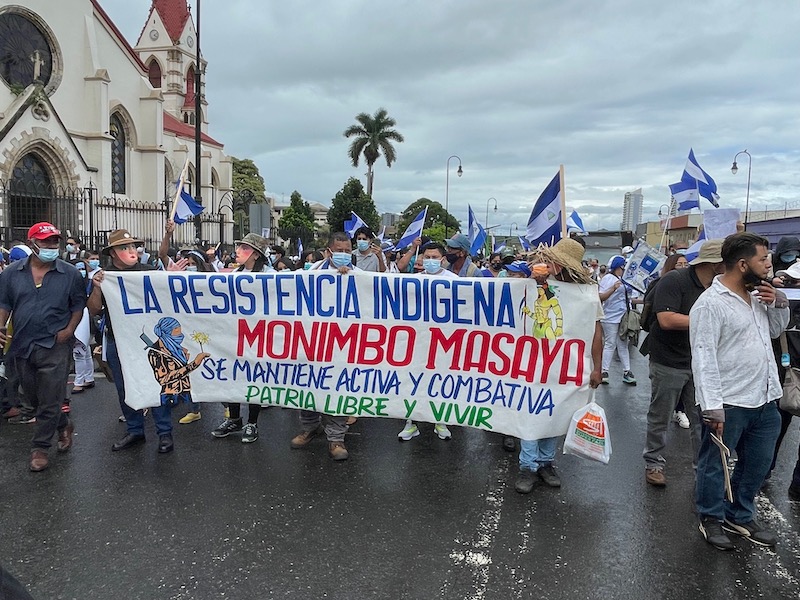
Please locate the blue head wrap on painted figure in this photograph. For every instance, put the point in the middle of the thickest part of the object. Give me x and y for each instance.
(163, 330)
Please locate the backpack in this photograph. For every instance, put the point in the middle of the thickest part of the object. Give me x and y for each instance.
(648, 317)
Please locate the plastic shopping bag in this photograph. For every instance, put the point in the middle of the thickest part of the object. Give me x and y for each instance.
(588, 434)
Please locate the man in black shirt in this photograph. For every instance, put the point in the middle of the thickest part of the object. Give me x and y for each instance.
(671, 356)
(124, 257)
(45, 297)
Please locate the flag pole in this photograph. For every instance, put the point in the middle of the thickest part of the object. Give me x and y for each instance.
(179, 190)
(424, 218)
(563, 202)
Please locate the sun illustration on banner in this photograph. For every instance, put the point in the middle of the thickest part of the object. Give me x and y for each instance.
(548, 318)
(170, 360)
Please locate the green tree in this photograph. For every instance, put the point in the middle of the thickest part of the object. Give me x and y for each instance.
(297, 222)
(248, 187)
(352, 198)
(435, 220)
(373, 136)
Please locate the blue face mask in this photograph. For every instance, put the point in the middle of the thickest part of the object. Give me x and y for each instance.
(191, 268)
(432, 265)
(362, 245)
(82, 272)
(789, 257)
(48, 255)
(341, 259)
(93, 264)
(307, 266)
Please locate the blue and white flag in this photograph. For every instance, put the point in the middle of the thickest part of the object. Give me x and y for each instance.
(299, 247)
(575, 224)
(498, 246)
(525, 245)
(685, 194)
(544, 224)
(185, 206)
(706, 186)
(477, 234)
(413, 231)
(354, 224)
(381, 234)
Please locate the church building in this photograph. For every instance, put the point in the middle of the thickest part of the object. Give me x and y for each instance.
(94, 131)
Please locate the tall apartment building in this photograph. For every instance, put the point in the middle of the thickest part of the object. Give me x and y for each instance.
(632, 210)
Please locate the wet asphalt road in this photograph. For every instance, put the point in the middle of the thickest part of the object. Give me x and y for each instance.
(422, 519)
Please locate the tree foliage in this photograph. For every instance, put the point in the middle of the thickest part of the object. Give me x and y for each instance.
(297, 221)
(435, 221)
(247, 177)
(352, 198)
(373, 135)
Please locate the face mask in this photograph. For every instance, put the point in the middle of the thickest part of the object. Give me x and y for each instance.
(391, 257)
(432, 265)
(191, 268)
(307, 266)
(788, 257)
(451, 257)
(48, 254)
(341, 259)
(362, 245)
(140, 250)
(496, 266)
(94, 264)
(751, 280)
(70, 248)
(82, 272)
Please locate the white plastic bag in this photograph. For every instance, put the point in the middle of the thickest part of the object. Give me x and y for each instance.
(588, 434)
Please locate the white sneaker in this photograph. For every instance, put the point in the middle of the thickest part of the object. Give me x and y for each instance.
(409, 431)
(442, 431)
(681, 419)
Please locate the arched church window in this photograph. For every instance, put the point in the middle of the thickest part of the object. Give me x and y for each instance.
(25, 54)
(31, 192)
(154, 73)
(189, 86)
(118, 166)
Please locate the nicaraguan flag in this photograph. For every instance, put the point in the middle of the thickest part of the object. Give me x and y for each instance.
(685, 194)
(354, 224)
(299, 247)
(381, 234)
(186, 208)
(477, 234)
(574, 223)
(524, 242)
(413, 231)
(706, 186)
(544, 224)
(499, 246)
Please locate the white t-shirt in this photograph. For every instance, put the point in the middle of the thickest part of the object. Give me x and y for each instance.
(615, 306)
(442, 273)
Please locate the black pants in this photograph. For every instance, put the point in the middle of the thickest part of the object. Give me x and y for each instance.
(43, 376)
(253, 410)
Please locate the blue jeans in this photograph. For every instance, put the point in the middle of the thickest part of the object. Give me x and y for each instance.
(535, 454)
(162, 415)
(752, 432)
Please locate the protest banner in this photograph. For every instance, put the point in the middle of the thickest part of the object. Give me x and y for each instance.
(645, 263)
(719, 223)
(503, 355)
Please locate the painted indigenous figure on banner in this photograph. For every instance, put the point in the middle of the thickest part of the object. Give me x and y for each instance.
(170, 362)
(546, 303)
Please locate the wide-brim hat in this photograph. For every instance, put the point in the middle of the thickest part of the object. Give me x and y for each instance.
(256, 242)
(120, 237)
(710, 252)
(569, 254)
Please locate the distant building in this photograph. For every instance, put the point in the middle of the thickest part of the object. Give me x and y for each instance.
(320, 216)
(632, 210)
(390, 221)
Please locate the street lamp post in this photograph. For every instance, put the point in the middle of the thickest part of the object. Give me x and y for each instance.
(486, 222)
(666, 222)
(460, 172)
(734, 170)
(514, 225)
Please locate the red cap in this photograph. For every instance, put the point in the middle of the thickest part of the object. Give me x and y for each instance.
(42, 231)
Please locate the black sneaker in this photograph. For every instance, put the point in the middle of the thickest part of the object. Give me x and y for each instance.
(752, 531)
(549, 476)
(794, 493)
(227, 427)
(250, 433)
(525, 481)
(712, 531)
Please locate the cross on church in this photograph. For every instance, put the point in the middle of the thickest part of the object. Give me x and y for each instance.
(36, 59)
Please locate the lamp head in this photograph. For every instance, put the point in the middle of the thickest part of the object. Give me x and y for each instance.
(734, 168)
(460, 171)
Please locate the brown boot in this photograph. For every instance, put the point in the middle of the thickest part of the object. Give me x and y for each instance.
(301, 440)
(39, 460)
(337, 451)
(655, 477)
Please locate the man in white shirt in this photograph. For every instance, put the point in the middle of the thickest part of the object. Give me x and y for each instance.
(736, 385)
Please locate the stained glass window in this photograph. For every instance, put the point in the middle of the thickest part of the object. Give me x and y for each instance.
(25, 55)
(117, 131)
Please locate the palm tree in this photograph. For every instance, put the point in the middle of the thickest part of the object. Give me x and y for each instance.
(374, 135)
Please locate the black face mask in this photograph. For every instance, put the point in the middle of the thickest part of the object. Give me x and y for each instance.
(751, 280)
(451, 257)
(496, 266)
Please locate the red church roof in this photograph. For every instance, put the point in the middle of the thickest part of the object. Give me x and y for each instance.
(186, 131)
(174, 14)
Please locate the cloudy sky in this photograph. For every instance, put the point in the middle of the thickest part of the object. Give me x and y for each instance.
(616, 90)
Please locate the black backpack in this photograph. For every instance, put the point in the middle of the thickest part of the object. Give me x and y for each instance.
(648, 316)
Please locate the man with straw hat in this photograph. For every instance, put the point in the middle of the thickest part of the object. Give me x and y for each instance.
(563, 261)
